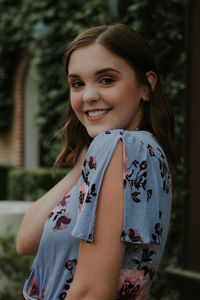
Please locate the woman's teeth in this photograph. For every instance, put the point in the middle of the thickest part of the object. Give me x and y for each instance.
(97, 112)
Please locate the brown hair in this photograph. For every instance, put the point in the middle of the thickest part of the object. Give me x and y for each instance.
(128, 44)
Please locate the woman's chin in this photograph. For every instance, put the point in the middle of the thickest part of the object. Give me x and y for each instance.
(94, 133)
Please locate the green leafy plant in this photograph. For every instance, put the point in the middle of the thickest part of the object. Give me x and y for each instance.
(31, 184)
(4, 171)
(13, 268)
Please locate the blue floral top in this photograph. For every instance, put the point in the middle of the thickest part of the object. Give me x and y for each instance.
(147, 202)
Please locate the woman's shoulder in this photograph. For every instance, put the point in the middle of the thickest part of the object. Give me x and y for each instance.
(143, 140)
(137, 146)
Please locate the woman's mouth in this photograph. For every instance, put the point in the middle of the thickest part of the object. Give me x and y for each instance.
(97, 114)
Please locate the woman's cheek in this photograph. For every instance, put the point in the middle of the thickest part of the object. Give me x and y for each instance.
(75, 103)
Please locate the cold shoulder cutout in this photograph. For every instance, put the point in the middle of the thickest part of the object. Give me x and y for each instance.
(146, 216)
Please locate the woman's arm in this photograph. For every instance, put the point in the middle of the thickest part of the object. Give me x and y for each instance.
(99, 263)
(31, 228)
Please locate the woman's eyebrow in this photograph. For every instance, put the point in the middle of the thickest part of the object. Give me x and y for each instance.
(104, 70)
(73, 76)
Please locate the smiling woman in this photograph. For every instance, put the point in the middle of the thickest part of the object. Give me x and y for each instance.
(104, 226)
(105, 93)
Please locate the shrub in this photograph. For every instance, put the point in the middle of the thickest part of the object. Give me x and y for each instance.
(31, 184)
(13, 268)
(4, 171)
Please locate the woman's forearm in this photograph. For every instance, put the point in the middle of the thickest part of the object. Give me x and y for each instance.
(90, 294)
(31, 228)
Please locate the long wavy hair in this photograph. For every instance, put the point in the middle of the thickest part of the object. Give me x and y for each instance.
(129, 45)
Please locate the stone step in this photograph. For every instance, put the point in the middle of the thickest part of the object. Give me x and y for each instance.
(11, 214)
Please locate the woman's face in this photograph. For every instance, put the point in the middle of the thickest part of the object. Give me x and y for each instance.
(104, 92)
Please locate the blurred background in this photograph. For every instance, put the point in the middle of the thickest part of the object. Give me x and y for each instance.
(34, 35)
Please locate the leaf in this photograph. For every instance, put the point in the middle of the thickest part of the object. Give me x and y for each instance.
(55, 217)
(151, 252)
(93, 187)
(145, 269)
(66, 286)
(154, 237)
(136, 199)
(144, 186)
(137, 185)
(152, 273)
(144, 174)
(149, 194)
(136, 260)
(164, 185)
(135, 163)
(130, 173)
(160, 164)
(140, 180)
(88, 199)
(135, 194)
(124, 183)
(83, 174)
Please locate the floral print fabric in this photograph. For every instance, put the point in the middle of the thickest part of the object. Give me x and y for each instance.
(147, 198)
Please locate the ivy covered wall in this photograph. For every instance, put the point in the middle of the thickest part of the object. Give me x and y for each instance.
(44, 29)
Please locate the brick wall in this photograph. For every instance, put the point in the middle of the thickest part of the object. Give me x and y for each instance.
(11, 143)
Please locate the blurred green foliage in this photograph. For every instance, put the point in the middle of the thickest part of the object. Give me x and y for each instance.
(5, 168)
(44, 29)
(13, 268)
(31, 184)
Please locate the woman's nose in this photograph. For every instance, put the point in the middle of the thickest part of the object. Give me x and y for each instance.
(90, 94)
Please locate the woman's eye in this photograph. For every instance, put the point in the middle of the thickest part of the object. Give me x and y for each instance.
(76, 84)
(107, 80)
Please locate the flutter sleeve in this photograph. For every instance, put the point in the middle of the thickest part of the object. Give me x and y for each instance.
(146, 186)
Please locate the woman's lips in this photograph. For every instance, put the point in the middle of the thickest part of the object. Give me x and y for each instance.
(98, 114)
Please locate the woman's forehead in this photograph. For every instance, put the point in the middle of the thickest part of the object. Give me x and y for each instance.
(97, 57)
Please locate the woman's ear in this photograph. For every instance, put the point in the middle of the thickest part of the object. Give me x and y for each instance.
(152, 79)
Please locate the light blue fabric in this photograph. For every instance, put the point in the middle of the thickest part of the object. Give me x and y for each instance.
(147, 190)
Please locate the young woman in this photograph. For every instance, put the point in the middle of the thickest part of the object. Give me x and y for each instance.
(100, 233)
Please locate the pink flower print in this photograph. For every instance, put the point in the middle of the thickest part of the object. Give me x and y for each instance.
(82, 196)
(42, 294)
(64, 202)
(143, 165)
(62, 296)
(134, 235)
(132, 285)
(33, 289)
(92, 162)
(125, 162)
(149, 194)
(62, 222)
(151, 152)
(70, 264)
